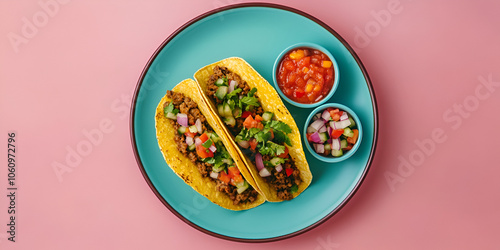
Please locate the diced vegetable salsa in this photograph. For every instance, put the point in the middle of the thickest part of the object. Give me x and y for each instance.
(305, 75)
(332, 132)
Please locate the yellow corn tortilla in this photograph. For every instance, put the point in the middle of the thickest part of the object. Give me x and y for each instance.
(271, 102)
(187, 170)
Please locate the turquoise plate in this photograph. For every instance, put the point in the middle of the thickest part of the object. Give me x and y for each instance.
(257, 33)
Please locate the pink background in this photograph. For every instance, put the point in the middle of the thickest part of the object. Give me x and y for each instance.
(79, 66)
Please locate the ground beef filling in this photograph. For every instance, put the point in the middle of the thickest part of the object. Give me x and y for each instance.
(282, 183)
(189, 107)
(279, 181)
(223, 72)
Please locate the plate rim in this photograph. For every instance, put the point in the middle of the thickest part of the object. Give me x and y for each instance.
(246, 5)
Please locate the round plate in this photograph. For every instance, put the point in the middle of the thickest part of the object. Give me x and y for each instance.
(256, 33)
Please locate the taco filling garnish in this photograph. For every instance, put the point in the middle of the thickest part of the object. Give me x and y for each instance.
(197, 141)
(263, 139)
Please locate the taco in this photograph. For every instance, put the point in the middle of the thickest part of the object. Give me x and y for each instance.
(263, 130)
(197, 150)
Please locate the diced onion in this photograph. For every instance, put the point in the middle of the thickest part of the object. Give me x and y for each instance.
(344, 116)
(326, 115)
(264, 172)
(244, 144)
(336, 144)
(198, 126)
(278, 168)
(197, 141)
(214, 174)
(322, 129)
(332, 125)
(212, 148)
(319, 148)
(329, 130)
(315, 137)
(340, 124)
(258, 162)
(182, 119)
(310, 130)
(189, 140)
(317, 124)
(232, 85)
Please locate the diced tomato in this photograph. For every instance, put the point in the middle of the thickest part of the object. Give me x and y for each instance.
(354, 138)
(204, 152)
(224, 177)
(272, 134)
(204, 137)
(298, 93)
(336, 133)
(233, 171)
(308, 136)
(289, 171)
(189, 134)
(258, 118)
(259, 125)
(289, 65)
(304, 62)
(245, 114)
(335, 114)
(253, 143)
(349, 147)
(238, 178)
(248, 122)
(285, 154)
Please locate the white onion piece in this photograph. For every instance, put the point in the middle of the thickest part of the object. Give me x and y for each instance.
(340, 124)
(244, 144)
(322, 129)
(326, 115)
(264, 172)
(214, 174)
(344, 116)
(197, 141)
(189, 140)
(198, 126)
(332, 125)
(317, 124)
(344, 123)
(212, 148)
(279, 168)
(258, 162)
(182, 119)
(232, 85)
(319, 148)
(310, 130)
(336, 144)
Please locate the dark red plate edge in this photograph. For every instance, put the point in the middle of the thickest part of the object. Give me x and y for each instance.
(244, 5)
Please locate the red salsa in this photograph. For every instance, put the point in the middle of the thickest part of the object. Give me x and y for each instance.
(305, 75)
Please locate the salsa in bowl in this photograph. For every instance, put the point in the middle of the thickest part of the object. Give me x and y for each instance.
(332, 132)
(305, 75)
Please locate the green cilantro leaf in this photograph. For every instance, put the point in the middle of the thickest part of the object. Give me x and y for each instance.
(280, 138)
(250, 101)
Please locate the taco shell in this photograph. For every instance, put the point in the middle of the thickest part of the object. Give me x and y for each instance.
(270, 101)
(187, 170)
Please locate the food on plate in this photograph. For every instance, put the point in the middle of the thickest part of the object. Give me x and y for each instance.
(332, 132)
(305, 75)
(263, 130)
(197, 149)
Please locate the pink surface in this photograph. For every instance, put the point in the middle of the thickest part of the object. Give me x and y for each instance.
(69, 68)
